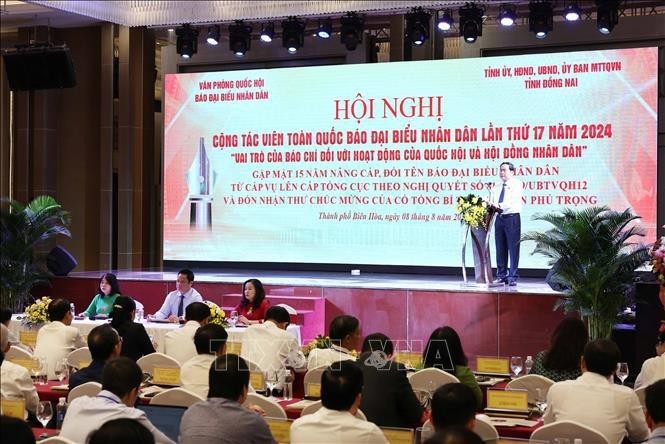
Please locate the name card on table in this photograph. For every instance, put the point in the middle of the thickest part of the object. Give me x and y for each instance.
(494, 366)
(28, 337)
(409, 358)
(257, 380)
(280, 430)
(396, 435)
(166, 376)
(508, 400)
(14, 408)
(27, 363)
(313, 390)
(233, 348)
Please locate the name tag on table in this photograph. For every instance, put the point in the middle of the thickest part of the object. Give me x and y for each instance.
(280, 430)
(233, 348)
(27, 363)
(313, 390)
(493, 366)
(166, 376)
(14, 408)
(257, 380)
(516, 400)
(396, 435)
(28, 337)
(409, 358)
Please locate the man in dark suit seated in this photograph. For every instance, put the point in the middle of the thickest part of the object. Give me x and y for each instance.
(104, 344)
(387, 397)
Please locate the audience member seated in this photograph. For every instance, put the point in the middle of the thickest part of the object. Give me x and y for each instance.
(122, 430)
(343, 332)
(562, 360)
(135, 340)
(222, 418)
(56, 339)
(15, 431)
(104, 344)
(253, 305)
(6, 319)
(654, 398)
(454, 435)
(453, 405)
(335, 421)
(121, 380)
(387, 397)
(102, 303)
(653, 369)
(579, 400)
(15, 381)
(210, 342)
(179, 344)
(177, 301)
(444, 351)
(270, 346)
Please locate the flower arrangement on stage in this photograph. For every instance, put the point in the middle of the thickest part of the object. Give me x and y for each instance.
(658, 260)
(217, 315)
(472, 210)
(321, 342)
(37, 313)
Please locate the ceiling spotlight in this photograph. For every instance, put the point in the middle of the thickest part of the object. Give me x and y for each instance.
(324, 30)
(445, 20)
(607, 15)
(471, 22)
(541, 20)
(572, 12)
(417, 26)
(507, 16)
(351, 31)
(267, 32)
(187, 41)
(240, 38)
(293, 34)
(213, 35)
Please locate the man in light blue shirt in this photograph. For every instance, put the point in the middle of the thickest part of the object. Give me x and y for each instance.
(654, 398)
(177, 301)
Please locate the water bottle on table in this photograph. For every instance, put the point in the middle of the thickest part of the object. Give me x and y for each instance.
(528, 364)
(60, 412)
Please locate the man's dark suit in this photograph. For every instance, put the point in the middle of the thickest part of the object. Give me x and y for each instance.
(92, 372)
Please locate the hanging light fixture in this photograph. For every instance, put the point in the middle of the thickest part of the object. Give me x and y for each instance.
(267, 32)
(445, 20)
(541, 20)
(417, 26)
(187, 41)
(293, 34)
(471, 22)
(351, 31)
(240, 38)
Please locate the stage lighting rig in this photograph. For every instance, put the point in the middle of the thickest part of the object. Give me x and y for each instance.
(572, 12)
(507, 16)
(471, 22)
(187, 41)
(293, 34)
(445, 20)
(267, 32)
(541, 19)
(417, 26)
(351, 31)
(240, 38)
(607, 15)
(213, 35)
(324, 29)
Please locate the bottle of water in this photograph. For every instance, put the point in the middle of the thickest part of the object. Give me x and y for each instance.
(528, 364)
(72, 308)
(60, 412)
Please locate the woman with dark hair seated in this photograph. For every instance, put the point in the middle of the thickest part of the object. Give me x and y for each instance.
(135, 340)
(253, 305)
(102, 303)
(444, 351)
(562, 360)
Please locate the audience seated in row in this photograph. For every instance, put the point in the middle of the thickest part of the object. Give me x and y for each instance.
(210, 342)
(179, 344)
(453, 405)
(561, 361)
(344, 332)
(15, 431)
(104, 344)
(653, 369)
(135, 340)
(15, 381)
(655, 411)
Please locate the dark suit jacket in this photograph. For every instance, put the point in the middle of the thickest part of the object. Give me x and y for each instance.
(387, 398)
(93, 372)
(135, 340)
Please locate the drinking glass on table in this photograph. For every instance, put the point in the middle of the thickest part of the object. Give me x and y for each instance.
(622, 371)
(233, 319)
(38, 369)
(61, 369)
(516, 364)
(44, 412)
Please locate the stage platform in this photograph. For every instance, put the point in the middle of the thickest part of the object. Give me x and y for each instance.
(498, 321)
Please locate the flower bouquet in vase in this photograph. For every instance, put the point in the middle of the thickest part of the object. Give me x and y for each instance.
(217, 315)
(36, 314)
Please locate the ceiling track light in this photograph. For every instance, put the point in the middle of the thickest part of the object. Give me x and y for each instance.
(187, 41)
(213, 35)
(444, 20)
(507, 15)
(324, 30)
(607, 15)
(351, 31)
(240, 38)
(417, 26)
(293, 34)
(471, 22)
(541, 20)
(572, 12)
(267, 32)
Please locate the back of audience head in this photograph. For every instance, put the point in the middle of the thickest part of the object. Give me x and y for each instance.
(59, 310)
(122, 430)
(229, 378)
(121, 376)
(103, 342)
(112, 280)
(654, 399)
(601, 356)
(444, 350)
(279, 315)
(378, 342)
(4, 339)
(15, 431)
(566, 345)
(454, 404)
(197, 311)
(123, 311)
(5, 316)
(344, 331)
(210, 339)
(454, 435)
(341, 385)
(660, 343)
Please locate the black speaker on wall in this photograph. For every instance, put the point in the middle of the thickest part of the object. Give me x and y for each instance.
(60, 261)
(39, 67)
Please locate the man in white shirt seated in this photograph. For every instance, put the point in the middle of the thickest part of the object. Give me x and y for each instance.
(653, 369)
(179, 343)
(654, 399)
(120, 387)
(270, 346)
(210, 342)
(344, 333)
(15, 381)
(595, 401)
(177, 301)
(335, 422)
(58, 338)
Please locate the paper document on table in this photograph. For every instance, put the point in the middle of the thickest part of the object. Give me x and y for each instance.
(489, 381)
(511, 422)
(301, 404)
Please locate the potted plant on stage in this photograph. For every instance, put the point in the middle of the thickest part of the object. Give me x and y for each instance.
(477, 215)
(593, 259)
(24, 232)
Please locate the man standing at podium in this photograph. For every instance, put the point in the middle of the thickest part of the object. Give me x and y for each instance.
(506, 197)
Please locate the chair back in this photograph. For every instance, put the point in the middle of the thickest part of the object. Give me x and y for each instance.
(486, 431)
(570, 430)
(177, 396)
(293, 313)
(640, 392)
(430, 379)
(79, 358)
(57, 440)
(88, 389)
(17, 353)
(159, 360)
(269, 406)
(532, 384)
(311, 408)
(312, 381)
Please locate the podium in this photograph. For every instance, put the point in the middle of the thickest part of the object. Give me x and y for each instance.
(482, 260)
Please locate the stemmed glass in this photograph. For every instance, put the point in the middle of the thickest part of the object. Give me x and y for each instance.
(622, 371)
(516, 365)
(61, 369)
(38, 369)
(233, 319)
(44, 412)
(272, 380)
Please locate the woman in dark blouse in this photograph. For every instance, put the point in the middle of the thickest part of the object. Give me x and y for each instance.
(253, 305)
(135, 340)
(562, 360)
